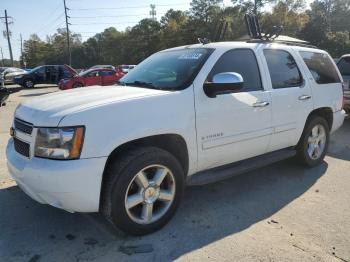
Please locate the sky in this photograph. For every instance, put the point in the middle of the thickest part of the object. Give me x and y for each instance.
(87, 17)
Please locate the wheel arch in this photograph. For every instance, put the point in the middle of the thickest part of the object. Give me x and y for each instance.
(172, 143)
(325, 112)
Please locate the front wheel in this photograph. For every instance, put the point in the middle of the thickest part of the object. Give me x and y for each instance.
(28, 83)
(313, 144)
(143, 190)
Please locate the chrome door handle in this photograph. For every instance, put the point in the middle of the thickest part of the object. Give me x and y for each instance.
(304, 97)
(261, 104)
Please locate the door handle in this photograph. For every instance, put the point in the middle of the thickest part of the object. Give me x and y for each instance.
(304, 97)
(261, 104)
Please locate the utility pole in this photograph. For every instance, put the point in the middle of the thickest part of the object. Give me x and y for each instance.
(153, 12)
(8, 34)
(67, 28)
(22, 59)
(2, 57)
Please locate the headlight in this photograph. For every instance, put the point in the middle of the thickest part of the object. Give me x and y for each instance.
(59, 142)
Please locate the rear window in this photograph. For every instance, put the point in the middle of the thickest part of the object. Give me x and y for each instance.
(344, 66)
(321, 67)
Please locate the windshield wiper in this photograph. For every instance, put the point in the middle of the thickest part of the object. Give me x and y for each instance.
(141, 84)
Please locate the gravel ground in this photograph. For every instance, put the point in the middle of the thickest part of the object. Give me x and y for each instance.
(282, 212)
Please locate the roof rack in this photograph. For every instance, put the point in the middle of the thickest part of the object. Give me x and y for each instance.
(291, 43)
(254, 31)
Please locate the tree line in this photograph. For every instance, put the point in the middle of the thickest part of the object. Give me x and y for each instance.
(325, 24)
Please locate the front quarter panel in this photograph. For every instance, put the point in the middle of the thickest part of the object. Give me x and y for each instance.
(111, 125)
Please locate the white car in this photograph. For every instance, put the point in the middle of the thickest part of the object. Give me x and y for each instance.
(8, 74)
(184, 116)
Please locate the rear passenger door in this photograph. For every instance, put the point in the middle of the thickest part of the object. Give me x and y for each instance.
(290, 94)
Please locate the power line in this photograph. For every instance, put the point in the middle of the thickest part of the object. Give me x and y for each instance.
(49, 16)
(44, 28)
(106, 16)
(110, 23)
(123, 7)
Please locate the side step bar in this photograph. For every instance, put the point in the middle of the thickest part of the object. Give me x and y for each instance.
(230, 170)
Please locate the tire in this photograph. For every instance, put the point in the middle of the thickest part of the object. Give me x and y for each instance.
(28, 83)
(315, 135)
(123, 180)
(77, 85)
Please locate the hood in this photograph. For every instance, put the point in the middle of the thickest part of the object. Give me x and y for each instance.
(15, 74)
(48, 110)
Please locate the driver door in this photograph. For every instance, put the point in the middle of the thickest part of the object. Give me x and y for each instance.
(233, 126)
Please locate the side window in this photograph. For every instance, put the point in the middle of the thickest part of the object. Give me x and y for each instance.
(283, 69)
(344, 66)
(321, 67)
(107, 73)
(242, 61)
(93, 74)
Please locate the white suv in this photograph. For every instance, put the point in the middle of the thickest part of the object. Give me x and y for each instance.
(185, 116)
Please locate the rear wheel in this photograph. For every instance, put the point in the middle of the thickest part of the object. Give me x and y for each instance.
(313, 145)
(28, 83)
(143, 190)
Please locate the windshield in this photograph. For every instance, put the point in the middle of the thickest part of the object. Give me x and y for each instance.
(36, 68)
(85, 73)
(169, 70)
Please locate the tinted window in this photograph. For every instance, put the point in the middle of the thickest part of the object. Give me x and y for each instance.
(91, 74)
(240, 61)
(344, 66)
(283, 69)
(107, 73)
(321, 67)
(39, 70)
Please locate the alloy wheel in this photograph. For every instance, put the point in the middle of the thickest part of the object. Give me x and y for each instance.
(150, 194)
(316, 142)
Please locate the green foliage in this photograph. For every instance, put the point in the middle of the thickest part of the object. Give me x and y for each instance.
(326, 24)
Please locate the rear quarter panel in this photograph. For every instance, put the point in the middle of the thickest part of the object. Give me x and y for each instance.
(324, 95)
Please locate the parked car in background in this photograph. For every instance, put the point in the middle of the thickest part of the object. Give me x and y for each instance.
(8, 74)
(46, 74)
(102, 66)
(90, 77)
(123, 70)
(344, 68)
(2, 69)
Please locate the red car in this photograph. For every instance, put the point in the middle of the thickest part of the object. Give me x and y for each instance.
(100, 76)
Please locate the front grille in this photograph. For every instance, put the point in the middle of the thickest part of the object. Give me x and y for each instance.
(21, 147)
(23, 126)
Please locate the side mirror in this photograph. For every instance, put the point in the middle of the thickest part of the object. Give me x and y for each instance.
(223, 83)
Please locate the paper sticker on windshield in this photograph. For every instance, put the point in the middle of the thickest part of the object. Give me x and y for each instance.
(192, 56)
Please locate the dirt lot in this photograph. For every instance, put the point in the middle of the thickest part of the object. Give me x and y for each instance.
(282, 212)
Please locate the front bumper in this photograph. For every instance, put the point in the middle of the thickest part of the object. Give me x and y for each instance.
(72, 185)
